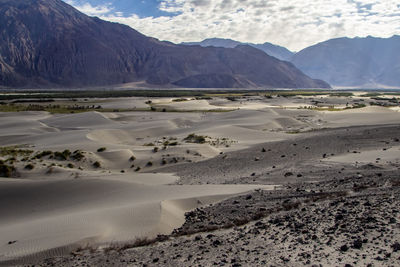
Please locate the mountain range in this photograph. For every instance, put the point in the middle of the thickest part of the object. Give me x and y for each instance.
(356, 62)
(48, 43)
(343, 62)
(277, 51)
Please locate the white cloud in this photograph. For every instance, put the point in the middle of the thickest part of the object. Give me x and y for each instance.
(294, 24)
(90, 10)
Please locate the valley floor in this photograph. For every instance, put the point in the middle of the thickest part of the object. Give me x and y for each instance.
(262, 182)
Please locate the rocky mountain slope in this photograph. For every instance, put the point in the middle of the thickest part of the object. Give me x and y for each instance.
(47, 43)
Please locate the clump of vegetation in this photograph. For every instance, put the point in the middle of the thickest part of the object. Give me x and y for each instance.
(137, 169)
(173, 144)
(7, 170)
(96, 164)
(149, 144)
(77, 155)
(11, 160)
(101, 149)
(132, 158)
(42, 154)
(30, 166)
(203, 98)
(357, 105)
(155, 149)
(193, 138)
(179, 100)
(297, 131)
(70, 165)
(169, 143)
(62, 155)
(342, 94)
(14, 151)
(52, 108)
(231, 98)
(221, 142)
(149, 164)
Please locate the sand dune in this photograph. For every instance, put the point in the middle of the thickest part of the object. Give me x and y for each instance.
(43, 215)
(387, 155)
(80, 120)
(190, 105)
(362, 116)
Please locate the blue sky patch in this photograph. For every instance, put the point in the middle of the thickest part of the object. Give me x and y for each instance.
(142, 8)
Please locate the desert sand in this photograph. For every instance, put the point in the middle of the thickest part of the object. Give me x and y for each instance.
(112, 178)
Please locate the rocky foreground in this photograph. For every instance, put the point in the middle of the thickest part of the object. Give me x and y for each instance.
(357, 225)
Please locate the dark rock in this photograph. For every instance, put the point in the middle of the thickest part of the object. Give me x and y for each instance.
(216, 243)
(344, 248)
(396, 247)
(357, 244)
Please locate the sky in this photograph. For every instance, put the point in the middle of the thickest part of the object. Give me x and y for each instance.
(294, 24)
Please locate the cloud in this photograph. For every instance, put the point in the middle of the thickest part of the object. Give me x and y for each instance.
(295, 24)
(98, 10)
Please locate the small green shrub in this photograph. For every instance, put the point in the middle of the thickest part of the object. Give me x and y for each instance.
(101, 149)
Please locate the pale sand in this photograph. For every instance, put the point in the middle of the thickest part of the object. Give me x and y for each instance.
(188, 105)
(47, 214)
(382, 156)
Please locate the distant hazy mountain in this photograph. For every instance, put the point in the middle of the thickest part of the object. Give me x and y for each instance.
(273, 50)
(353, 62)
(47, 43)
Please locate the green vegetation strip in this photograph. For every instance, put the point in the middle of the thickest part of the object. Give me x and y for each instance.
(44, 96)
(14, 151)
